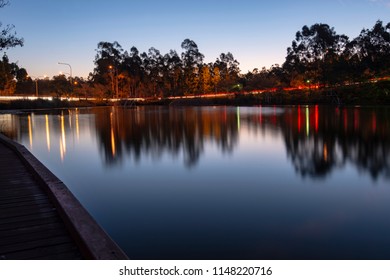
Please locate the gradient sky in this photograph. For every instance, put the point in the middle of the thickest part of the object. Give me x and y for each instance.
(257, 32)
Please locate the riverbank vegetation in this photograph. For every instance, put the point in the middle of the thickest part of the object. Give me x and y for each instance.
(359, 94)
(321, 66)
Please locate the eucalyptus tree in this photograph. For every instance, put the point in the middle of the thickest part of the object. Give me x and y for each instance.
(153, 66)
(371, 49)
(192, 60)
(108, 60)
(173, 74)
(229, 70)
(132, 67)
(108, 54)
(312, 48)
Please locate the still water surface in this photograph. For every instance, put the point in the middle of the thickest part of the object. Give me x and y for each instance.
(303, 182)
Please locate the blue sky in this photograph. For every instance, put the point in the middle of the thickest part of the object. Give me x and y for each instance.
(257, 32)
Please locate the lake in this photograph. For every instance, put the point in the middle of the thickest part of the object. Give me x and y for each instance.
(300, 182)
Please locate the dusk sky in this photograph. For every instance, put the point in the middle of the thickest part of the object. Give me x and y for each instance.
(256, 32)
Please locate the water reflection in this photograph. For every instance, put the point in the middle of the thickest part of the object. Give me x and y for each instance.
(340, 137)
(47, 132)
(224, 182)
(143, 132)
(317, 139)
(49, 127)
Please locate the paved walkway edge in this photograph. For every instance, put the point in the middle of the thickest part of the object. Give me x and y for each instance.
(93, 241)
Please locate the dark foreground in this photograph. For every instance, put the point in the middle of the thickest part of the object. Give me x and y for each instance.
(43, 223)
(30, 226)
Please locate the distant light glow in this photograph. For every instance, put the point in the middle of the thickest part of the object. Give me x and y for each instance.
(77, 125)
(113, 147)
(30, 131)
(47, 132)
(63, 139)
(307, 121)
(61, 151)
(325, 152)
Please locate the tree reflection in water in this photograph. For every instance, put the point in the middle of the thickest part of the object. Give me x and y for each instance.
(317, 139)
(340, 136)
(225, 206)
(153, 132)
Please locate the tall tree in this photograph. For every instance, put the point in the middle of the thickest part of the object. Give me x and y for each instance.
(229, 70)
(172, 74)
(108, 62)
(132, 66)
(192, 60)
(7, 75)
(310, 50)
(372, 50)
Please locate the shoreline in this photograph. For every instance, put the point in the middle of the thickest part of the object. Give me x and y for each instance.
(376, 94)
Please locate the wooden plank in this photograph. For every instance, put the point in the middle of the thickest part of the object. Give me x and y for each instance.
(37, 243)
(23, 211)
(20, 192)
(15, 203)
(42, 235)
(28, 217)
(64, 251)
(28, 225)
(31, 229)
(26, 206)
(22, 198)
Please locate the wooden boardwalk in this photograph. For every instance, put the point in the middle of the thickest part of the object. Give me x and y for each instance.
(32, 225)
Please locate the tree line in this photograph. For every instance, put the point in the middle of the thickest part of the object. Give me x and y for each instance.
(120, 73)
(317, 56)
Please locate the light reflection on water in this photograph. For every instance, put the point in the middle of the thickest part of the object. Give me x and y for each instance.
(224, 182)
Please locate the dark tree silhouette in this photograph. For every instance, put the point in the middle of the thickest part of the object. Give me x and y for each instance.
(312, 48)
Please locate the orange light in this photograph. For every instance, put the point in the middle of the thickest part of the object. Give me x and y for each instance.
(325, 152)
